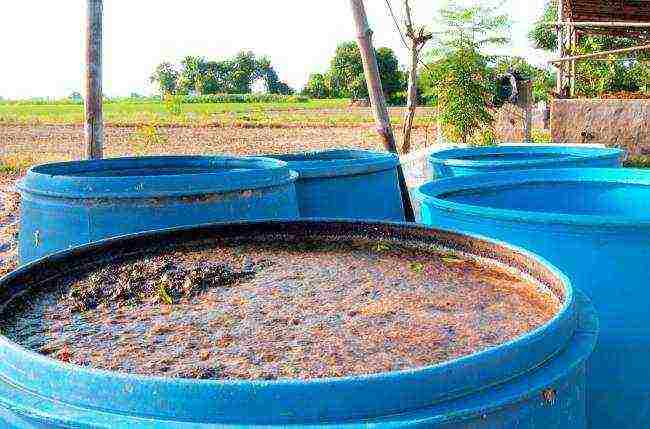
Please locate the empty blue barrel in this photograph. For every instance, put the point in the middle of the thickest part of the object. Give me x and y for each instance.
(73, 203)
(594, 224)
(477, 160)
(347, 184)
(534, 381)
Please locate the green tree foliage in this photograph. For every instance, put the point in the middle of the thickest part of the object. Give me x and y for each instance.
(597, 76)
(346, 79)
(462, 92)
(318, 86)
(166, 76)
(460, 79)
(545, 36)
(230, 76)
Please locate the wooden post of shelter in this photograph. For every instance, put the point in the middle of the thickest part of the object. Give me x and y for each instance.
(377, 98)
(93, 116)
(572, 68)
(560, 47)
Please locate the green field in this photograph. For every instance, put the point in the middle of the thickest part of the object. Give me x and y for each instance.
(310, 113)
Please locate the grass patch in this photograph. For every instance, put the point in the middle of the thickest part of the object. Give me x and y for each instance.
(326, 113)
(16, 164)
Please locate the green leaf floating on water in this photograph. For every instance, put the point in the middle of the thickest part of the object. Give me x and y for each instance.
(450, 258)
(164, 295)
(382, 247)
(417, 267)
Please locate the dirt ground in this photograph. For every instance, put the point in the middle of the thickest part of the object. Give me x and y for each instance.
(28, 144)
(9, 208)
(22, 146)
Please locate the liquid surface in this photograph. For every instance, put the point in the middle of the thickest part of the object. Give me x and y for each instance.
(271, 311)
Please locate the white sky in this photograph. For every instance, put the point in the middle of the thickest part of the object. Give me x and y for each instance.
(42, 40)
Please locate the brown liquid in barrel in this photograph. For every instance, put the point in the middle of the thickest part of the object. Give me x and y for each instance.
(322, 310)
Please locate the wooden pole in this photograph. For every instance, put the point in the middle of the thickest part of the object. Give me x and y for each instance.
(572, 68)
(601, 54)
(377, 98)
(526, 95)
(560, 47)
(93, 121)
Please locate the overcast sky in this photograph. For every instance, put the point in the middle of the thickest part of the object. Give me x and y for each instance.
(42, 40)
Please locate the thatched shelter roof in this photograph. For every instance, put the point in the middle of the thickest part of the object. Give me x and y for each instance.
(610, 11)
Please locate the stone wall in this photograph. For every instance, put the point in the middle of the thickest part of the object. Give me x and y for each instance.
(616, 123)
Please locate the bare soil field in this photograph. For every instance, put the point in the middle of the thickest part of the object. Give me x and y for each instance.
(23, 145)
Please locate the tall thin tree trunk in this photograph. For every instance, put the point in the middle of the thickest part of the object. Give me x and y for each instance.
(418, 38)
(377, 98)
(412, 98)
(93, 116)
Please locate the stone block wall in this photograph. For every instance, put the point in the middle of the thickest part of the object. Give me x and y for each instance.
(616, 123)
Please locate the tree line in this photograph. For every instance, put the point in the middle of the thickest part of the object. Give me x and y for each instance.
(200, 76)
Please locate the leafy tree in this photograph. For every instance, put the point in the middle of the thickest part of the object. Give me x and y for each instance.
(192, 75)
(462, 92)
(346, 78)
(166, 76)
(460, 78)
(318, 86)
(273, 83)
(230, 76)
(544, 36)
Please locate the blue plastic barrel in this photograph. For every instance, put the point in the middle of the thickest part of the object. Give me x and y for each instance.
(352, 184)
(594, 224)
(73, 203)
(534, 381)
(477, 160)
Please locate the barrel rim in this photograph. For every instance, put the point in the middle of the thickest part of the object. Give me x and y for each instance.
(58, 180)
(338, 162)
(575, 154)
(33, 372)
(432, 193)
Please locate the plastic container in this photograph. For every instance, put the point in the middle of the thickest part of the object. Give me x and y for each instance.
(594, 224)
(73, 203)
(342, 184)
(477, 160)
(534, 381)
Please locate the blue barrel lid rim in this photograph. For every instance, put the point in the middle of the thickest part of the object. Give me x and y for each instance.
(66, 179)
(433, 193)
(449, 157)
(473, 372)
(338, 162)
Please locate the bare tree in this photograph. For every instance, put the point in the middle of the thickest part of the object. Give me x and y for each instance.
(417, 38)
